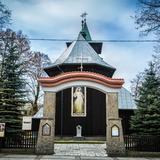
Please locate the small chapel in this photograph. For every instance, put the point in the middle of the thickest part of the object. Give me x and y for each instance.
(80, 91)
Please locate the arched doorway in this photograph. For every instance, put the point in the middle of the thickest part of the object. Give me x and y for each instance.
(110, 88)
(93, 124)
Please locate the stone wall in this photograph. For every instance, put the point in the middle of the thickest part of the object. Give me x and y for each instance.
(115, 144)
(45, 142)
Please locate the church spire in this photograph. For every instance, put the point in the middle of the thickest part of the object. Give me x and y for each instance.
(84, 31)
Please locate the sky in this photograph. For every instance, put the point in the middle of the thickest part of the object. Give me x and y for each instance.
(106, 19)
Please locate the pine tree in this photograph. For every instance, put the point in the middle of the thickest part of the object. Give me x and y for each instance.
(146, 120)
(12, 84)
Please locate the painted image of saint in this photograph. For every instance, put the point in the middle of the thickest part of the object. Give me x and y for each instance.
(2, 127)
(78, 103)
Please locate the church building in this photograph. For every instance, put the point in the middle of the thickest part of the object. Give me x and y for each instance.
(84, 55)
(80, 91)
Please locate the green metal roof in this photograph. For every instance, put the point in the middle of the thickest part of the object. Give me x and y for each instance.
(85, 32)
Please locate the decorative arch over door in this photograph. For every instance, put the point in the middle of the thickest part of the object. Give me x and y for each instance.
(109, 86)
(93, 123)
(89, 79)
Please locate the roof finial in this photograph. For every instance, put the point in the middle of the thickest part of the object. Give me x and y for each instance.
(83, 15)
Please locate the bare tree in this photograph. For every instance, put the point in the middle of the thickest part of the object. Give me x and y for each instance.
(156, 62)
(6, 39)
(147, 16)
(136, 84)
(34, 64)
(5, 16)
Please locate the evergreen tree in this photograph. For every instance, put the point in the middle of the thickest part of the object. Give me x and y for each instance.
(12, 84)
(146, 120)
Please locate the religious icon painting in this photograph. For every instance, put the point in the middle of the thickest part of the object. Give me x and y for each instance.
(2, 129)
(78, 101)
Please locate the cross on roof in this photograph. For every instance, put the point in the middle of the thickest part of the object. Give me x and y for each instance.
(83, 15)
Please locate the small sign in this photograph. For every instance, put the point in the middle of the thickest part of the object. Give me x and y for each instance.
(27, 123)
(115, 131)
(46, 130)
(2, 129)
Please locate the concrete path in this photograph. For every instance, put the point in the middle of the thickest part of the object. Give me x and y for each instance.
(89, 150)
(72, 152)
(54, 157)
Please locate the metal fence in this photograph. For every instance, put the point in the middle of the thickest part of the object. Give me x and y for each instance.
(142, 143)
(19, 139)
(28, 139)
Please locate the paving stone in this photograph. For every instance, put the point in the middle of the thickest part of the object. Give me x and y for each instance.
(73, 152)
(90, 150)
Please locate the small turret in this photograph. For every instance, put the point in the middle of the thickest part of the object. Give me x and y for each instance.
(97, 46)
(84, 31)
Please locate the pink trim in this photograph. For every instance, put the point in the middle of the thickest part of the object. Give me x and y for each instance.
(80, 76)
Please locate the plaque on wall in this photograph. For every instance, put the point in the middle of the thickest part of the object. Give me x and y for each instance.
(2, 129)
(46, 130)
(78, 101)
(115, 131)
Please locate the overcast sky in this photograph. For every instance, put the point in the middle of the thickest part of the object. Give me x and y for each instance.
(107, 19)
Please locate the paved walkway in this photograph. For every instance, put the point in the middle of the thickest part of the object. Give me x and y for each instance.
(72, 152)
(89, 150)
(54, 157)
